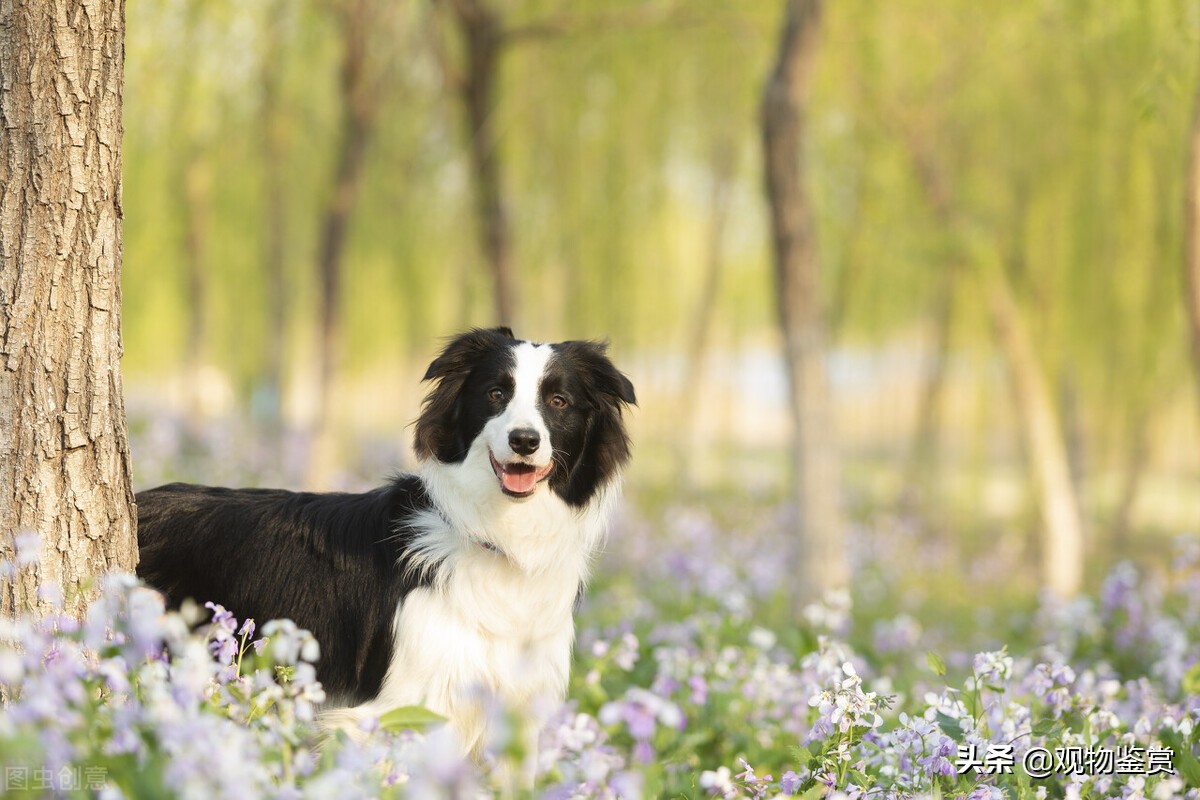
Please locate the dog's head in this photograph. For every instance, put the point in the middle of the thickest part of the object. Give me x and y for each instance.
(544, 413)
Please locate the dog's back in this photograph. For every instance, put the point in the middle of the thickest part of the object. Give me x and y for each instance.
(326, 561)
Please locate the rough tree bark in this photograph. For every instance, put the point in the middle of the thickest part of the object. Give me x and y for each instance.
(64, 454)
(823, 563)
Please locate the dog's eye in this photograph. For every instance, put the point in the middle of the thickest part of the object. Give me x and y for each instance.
(496, 393)
(558, 401)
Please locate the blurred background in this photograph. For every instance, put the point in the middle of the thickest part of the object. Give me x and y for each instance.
(316, 192)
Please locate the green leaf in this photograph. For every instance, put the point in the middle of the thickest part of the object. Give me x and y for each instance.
(814, 792)
(1185, 761)
(1046, 727)
(416, 718)
(1191, 679)
(936, 664)
(950, 726)
(859, 778)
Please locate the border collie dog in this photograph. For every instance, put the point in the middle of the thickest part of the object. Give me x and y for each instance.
(444, 586)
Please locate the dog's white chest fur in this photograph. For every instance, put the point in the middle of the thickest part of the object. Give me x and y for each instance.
(497, 619)
(482, 633)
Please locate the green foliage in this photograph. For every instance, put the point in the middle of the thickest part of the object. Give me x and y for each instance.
(1058, 130)
(1063, 124)
(414, 718)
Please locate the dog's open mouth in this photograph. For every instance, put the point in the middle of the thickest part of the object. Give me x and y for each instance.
(517, 479)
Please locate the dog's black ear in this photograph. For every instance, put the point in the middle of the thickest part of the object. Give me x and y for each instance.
(463, 350)
(438, 432)
(604, 377)
(606, 446)
(622, 387)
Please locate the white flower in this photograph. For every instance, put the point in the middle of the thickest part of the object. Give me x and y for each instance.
(762, 638)
(719, 781)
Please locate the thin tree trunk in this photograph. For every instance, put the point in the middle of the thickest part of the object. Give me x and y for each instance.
(274, 213)
(1191, 270)
(924, 444)
(1062, 526)
(823, 563)
(1137, 459)
(358, 115)
(1072, 429)
(1062, 539)
(483, 41)
(195, 198)
(64, 454)
(189, 186)
(700, 341)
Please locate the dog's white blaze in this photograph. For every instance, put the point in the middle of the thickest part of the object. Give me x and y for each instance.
(522, 409)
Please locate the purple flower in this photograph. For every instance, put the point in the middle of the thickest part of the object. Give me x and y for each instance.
(938, 762)
(790, 782)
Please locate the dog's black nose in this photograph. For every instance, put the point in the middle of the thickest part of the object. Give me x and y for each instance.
(524, 441)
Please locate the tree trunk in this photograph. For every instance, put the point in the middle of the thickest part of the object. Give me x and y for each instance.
(699, 343)
(274, 214)
(358, 116)
(1062, 536)
(64, 455)
(1191, 270)
(924, 444)
(196, 201)
(1062, 526)
(484, 43)
(823, 563)
(1137, 460)
(190, 186)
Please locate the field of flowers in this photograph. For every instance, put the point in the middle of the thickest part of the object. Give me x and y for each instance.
(692, 679)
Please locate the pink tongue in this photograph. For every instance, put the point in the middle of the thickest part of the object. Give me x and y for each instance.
(520, 482)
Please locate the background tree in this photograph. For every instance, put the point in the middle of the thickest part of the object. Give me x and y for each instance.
(64, 455)
(823, 562)
(483, 41)
(699, 345)
(360, 97)
(1191, 295)
(191, 181)
(275, 206)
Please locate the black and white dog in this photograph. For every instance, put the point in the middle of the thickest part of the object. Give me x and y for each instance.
(458, 580)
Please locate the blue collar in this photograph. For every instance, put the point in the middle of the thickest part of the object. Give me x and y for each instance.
(485, 545)
(488, 546)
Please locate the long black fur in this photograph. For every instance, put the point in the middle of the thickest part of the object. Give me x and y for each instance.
(333, 563)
